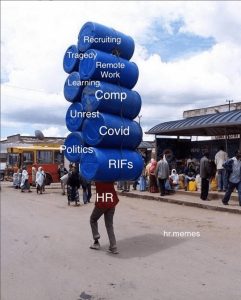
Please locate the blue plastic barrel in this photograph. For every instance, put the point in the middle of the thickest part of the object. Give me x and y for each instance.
(73, 147)
(111, 99)
(111, 165)
(73, 87)
(109, 68)
(112, 132)
(74, 117)
(97, 36)
(71, 60)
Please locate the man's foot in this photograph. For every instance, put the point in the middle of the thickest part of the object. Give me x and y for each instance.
(225, 203)
(113, 251)
(95, 246)
(30, 191)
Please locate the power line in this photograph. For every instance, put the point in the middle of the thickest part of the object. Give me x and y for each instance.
(27, 89)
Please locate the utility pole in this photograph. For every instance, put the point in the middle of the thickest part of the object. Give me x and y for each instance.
(139, 117)
(229, 104)
(227, 136)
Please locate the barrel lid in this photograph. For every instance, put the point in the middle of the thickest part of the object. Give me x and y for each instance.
(87, 65)
(87, 30)
(90, 129)
(74, 118)
(88, 99)
(89, 165)
(73, 87)
(71, 62)
(73, 143)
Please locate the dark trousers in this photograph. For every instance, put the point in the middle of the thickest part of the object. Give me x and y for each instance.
(162, 185)
(87, 193)
(204, 188)
(108, 215)
(231, 187)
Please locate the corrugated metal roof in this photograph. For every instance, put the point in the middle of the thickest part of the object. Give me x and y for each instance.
(146, 145)
(207, 125)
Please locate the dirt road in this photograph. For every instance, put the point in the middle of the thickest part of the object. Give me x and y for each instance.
(46, 256)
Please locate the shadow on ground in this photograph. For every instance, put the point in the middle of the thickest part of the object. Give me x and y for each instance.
(145, 245)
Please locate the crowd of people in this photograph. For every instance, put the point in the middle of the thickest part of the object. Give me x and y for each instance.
(221, 174)
(156, 177)
(70, 181)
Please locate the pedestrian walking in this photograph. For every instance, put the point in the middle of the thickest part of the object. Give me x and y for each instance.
(25, 181)
(73, 185)
(106, 201)
(233, 171)
(205, 176)
(86, 186)
(63, 180)
(34, 171)
(40, 180)
(162, 173)
(220, 158)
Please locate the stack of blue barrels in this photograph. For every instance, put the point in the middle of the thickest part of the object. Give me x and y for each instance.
(104, 136)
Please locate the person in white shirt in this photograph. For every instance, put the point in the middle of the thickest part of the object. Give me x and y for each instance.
(220, 158)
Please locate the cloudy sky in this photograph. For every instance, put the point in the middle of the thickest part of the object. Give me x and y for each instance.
(188, 54)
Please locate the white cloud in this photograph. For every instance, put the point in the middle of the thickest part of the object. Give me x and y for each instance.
(53, 132)
(35, 36)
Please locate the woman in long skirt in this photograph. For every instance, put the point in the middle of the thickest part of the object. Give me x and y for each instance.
(153, 188)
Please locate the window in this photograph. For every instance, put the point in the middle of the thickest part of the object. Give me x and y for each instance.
(44, 157)
(13, 159)
(27, 158)
(58, 157)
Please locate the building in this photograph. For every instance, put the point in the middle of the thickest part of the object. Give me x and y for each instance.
(219, 121)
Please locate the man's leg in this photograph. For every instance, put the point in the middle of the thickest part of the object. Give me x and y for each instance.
(109, 214)
(89, 192)
(162, 186)
(84, 195)
(239, 192)
(96, 214)
(204, 189)
(225, 182)
(228, 193)
(220, 180)
(63, 187)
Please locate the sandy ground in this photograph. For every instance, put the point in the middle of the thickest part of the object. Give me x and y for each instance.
(45, 251)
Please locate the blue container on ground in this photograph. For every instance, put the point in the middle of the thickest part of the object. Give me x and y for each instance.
(73, 87)
(74, 117)
(111, 99)
(109, 68)
(97, 36)
(74, 144)
(112, 132)
(71, 60)
(111, 165)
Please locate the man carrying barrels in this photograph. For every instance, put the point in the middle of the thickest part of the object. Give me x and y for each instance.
(106, 200)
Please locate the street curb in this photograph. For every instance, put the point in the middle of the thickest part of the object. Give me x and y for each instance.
(180, 202)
